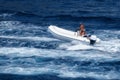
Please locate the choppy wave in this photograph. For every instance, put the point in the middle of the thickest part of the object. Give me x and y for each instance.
(28, 52)
(62, 63)
(62, 71)
(6, 15)
(17, 25)
(30, 38)
(75, 70)
(27, 48)
(14, 28)
(78, 18)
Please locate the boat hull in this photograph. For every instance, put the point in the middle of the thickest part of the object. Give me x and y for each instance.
(67, 34)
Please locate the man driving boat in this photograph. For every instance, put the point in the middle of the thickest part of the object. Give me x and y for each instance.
(82, 30)
(82, 33)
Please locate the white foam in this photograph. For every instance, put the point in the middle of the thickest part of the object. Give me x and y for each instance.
(6, 15)
(61, 70)
(9, 24)
(74, 45)
(107, 34)
(96, 75)
(78, 55)
(18, 25)
(111, 46)
(79, 47)
(30, 38)
(25, 71)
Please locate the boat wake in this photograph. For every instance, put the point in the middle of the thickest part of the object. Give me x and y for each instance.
(108, 46)
(108, 43)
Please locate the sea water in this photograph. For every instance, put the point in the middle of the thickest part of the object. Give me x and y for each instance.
(29, 52)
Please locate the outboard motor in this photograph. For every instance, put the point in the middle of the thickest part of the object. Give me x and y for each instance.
(93, 39)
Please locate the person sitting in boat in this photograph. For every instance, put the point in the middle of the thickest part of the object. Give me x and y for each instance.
(82, 30)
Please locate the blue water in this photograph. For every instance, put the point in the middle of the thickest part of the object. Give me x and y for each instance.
(29, 52)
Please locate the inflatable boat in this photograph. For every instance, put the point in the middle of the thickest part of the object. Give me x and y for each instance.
(71, 35)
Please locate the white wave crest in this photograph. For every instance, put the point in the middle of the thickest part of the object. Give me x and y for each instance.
(61, 70)
(78, 55)
(111, 46)
(7, 15)
(30, 38)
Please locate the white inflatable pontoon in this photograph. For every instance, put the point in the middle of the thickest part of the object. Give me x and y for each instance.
(70, 35)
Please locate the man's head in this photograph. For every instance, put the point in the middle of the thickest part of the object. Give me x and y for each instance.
(82, 26)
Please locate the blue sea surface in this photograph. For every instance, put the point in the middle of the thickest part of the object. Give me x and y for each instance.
(29, 52)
